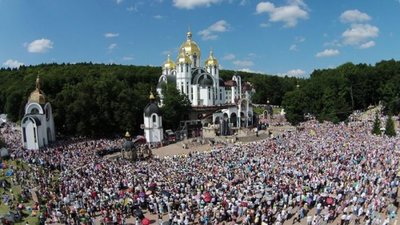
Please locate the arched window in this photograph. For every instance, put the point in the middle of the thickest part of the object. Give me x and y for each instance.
(154, 118)
(35, 111)
(47, 113)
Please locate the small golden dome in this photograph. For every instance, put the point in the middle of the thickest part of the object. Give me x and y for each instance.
(183, 58)
(169, 64)
(211, 61)
(127, 134)
(37, 95)
(151, 97)
(191, 47)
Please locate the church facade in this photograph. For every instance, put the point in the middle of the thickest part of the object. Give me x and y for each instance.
(230, 100)
(37, 124)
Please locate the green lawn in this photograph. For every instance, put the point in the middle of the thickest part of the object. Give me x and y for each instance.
(16, 190)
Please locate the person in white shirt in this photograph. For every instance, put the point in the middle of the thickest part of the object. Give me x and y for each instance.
(309, 220)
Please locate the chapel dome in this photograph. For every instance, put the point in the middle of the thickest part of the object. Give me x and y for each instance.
(152, 107)
(37, 95)
(211, 60)
(169, 64)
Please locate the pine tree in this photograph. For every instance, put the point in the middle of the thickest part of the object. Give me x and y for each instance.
(377, 125)
(390, 130)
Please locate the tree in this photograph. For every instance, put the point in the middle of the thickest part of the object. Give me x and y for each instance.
(176, 106)
(294, 105)
(377, 125)
(389, 128)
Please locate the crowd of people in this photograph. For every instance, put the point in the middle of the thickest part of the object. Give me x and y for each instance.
(316, 175)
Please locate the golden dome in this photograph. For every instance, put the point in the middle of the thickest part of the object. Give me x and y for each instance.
(191, 48)
(169, 64)
(211, 61)
(127, 134)
(151, 97)
(183, 58)
(37, 95)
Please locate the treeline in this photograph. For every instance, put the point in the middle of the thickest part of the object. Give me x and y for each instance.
(333, 94)
(103, 100)
(87, 99)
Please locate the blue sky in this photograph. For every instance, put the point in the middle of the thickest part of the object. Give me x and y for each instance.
(291, 37)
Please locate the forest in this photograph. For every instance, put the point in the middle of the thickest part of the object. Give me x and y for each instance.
(107, 99)
(333, 94)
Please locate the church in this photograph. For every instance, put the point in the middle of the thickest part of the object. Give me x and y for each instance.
(212, 98)
(38, 123)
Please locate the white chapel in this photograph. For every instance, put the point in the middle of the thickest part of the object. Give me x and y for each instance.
(153, 130)
(38, 123)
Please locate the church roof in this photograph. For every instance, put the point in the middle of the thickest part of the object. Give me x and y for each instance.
(246, 86)
(190, 47)
(35, 118)
(128, 145)
(151, 108)
(230, 83)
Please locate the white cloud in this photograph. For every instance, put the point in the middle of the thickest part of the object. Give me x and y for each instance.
(328, 53)
(12, 63)
(263, 25)
(218, 27)
(334, 43)
(248, 70)
(368, 44)
(191, 4)
(40, 46)
(112, 46)
(127, 58)
(263, 7)
(158, 17)
(296, 73)
(297, 40)
(229, 57)
(354, 16)
(119, 1)
(293, 47)
(288, 14)
(111, 35)
(359, 33)
(243, 63)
